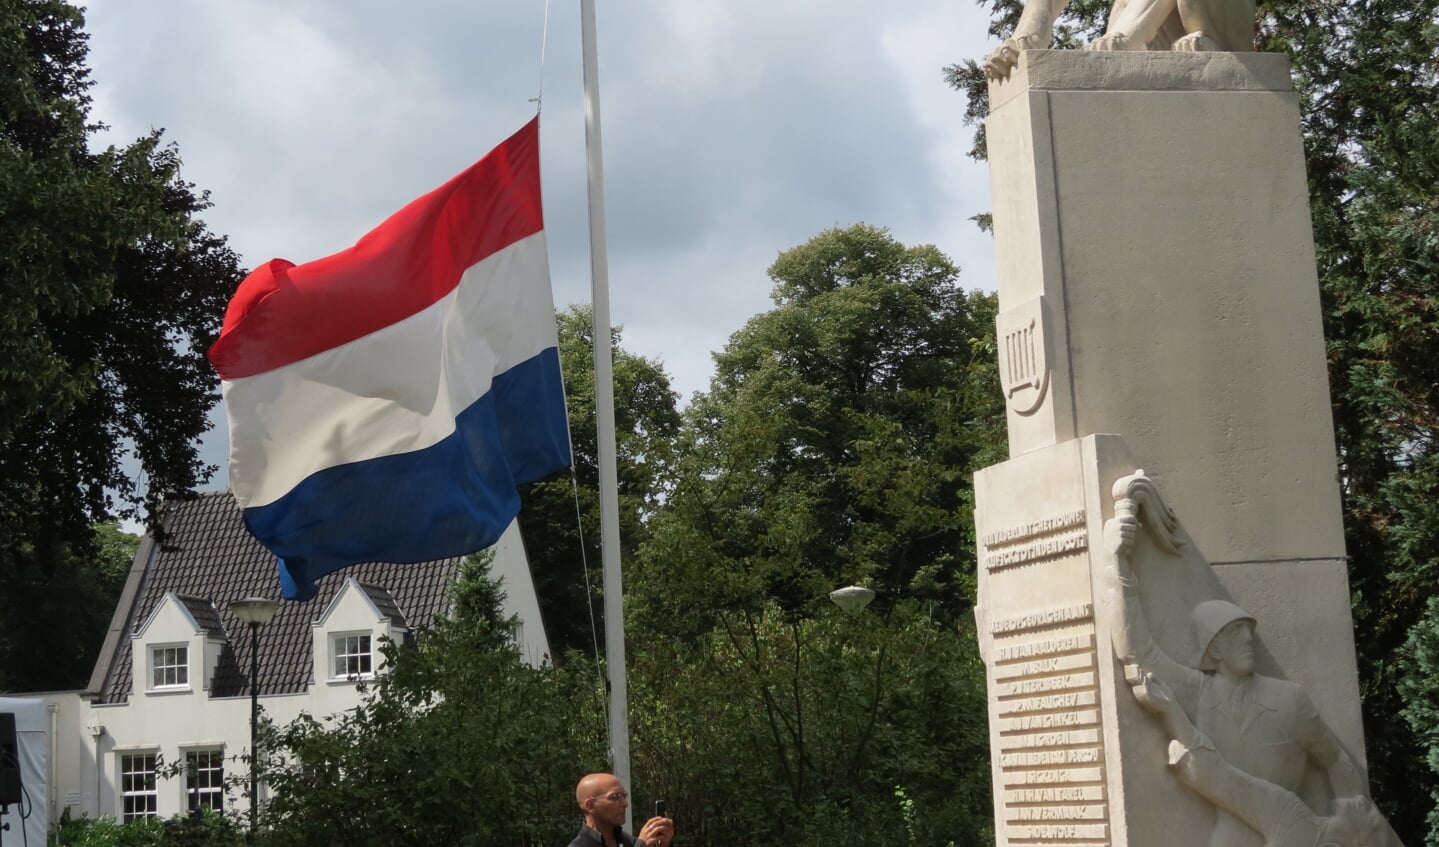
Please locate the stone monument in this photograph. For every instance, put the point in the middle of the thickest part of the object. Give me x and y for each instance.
(1159, 310)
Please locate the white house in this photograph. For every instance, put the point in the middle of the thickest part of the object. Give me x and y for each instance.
(172, 682)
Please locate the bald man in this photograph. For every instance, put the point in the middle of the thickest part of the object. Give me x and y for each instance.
(603, 800)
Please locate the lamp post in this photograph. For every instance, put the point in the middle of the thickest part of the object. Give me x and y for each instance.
(851, 598)
(255, 611)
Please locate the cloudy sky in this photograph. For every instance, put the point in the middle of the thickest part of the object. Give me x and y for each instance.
(732, 130)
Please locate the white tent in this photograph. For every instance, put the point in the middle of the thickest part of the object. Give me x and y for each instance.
(29, 822)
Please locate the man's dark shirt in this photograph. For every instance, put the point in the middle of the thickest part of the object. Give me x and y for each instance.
(590, 838)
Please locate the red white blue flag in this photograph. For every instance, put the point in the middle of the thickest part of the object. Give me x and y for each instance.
(384, 402)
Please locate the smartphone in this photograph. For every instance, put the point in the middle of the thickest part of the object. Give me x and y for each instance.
(660, 809)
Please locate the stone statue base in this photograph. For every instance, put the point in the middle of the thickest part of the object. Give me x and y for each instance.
(1074, 758)
(1156, 280)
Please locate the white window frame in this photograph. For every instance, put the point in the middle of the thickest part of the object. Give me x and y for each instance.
(147, 793)
(208, 761)
(172, 658)
(352, 655)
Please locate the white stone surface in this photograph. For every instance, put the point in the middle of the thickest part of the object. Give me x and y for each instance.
(1052, 717)
(1152, 225)
(1168, 229)
(1306, 629)
(1073, 753)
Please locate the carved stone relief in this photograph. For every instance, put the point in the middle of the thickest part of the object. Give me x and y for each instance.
(1023, 356)
(1241, 740)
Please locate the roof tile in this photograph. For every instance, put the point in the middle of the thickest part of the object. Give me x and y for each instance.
(208, 559)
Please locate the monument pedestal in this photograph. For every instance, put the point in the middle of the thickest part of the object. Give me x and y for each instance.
(1156, 281)
(1074, 758)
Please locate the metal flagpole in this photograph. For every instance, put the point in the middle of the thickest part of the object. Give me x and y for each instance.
(619, 725)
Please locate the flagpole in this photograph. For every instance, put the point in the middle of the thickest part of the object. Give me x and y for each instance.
(619, 725)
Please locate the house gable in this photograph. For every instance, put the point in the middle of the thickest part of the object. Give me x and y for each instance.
(345, 640)
(177, 648)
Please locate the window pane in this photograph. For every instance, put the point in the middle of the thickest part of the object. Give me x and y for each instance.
(137, 786)
(351, 655)
(169, 666)
(205, 779)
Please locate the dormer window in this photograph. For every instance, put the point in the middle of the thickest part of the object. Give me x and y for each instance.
(170, 666)
(352, 655)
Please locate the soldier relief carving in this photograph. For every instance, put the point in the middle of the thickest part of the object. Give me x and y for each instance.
(1180, 25)
(1239, 739)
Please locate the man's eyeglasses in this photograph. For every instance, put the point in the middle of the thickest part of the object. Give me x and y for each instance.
(615, 796)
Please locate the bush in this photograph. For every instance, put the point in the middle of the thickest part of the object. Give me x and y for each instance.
(207, 829)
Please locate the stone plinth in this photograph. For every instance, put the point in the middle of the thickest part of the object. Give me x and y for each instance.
(1156, 282)
(1063, 770)
(1157, 203)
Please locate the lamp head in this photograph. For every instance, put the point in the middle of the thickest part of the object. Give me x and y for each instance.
(255, 611)
(851, 598)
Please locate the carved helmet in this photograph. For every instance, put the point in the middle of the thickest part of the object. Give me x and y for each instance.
(1209, 617)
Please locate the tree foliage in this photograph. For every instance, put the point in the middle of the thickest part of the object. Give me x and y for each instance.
(81, 590)
(111, 288)
(1419, 688)
(1369, 90)
(837, 441)
(208, 829)
(458, 742)
(836, 445)
(816, 730)
(560, 518)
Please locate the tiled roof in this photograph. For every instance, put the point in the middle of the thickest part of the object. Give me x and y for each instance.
(384, 602)
(204, 613)
(209, 558)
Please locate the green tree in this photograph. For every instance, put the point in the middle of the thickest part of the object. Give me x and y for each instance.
(458, 742)
(560, 518)
(78, 590)
(1419, 687)
(817, 730)
(1369, 91)
(111, 289)
(836, 443)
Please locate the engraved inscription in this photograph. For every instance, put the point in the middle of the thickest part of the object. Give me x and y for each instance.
(1069, 776)
(1065, 794)
(1062, 720)
(1042, 686)
(1049, 740)
(1049, 703)
(1047, 618)
(1035, 541)
(1064, 832)
(1039, 667)
(1051, 756)
(1076, 541)
(1073, 644)
(1057, 813)
(1034, 529)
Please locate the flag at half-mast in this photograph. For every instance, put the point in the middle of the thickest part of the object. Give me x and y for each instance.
(385, 402)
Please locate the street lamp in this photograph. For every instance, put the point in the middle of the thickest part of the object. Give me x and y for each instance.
(851, 598)
(255, 611)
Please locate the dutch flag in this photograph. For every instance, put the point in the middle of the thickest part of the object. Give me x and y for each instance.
(384, 402)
